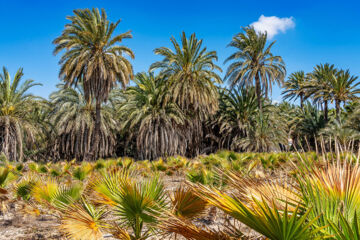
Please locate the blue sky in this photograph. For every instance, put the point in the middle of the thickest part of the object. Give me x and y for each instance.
(324, 31)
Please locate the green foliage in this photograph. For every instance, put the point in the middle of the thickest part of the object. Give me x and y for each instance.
(16, 106)
(346, 230)
(24, 189)
(6, 176)
(81, 172)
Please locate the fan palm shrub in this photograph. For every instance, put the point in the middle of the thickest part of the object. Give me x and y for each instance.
(172, 224)
(186, 204)
(346, 230)
(50, 193)
(92, 56)
(138, 205)
(83, 171)
(6, 176)
(23, 189)
(83, 221)
(135, 203)
(330, 190)
(261, 216)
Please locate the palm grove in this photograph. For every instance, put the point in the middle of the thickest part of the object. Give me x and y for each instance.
(178, 107)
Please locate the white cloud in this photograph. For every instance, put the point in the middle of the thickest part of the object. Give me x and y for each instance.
(273, 25)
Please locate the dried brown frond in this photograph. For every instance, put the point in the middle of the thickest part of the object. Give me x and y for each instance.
(120, 233)
(83, 222)
(279, 192)
(186, 204)
(174, 225)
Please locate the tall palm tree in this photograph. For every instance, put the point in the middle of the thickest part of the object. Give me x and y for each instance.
(189, 71)
(156, 118)
(254, 63)
(16, 122)
(343, 88)
(295, 87)
(92, 56)
(73, 117)
(319, 86)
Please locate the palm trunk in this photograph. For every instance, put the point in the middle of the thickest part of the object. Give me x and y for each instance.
(337, 106)
(326, 110)
(96, 130)
(258, 91)
(6, 138)
(301, 100)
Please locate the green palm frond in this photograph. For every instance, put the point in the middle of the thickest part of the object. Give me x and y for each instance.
(262, 217)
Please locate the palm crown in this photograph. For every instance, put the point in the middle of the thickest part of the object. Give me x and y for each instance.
(295, 87)
(92, 54)
(189, 69)
(253, 61)
(15, 117)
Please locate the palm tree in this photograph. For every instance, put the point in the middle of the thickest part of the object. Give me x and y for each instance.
(266, 134)
(236, 115)
(156, 118)
(340, 132)
(254, 62)
(319, 85)
(189, 71)
(343, 88)
(92, 56)
(294, 87)
(16, 120)
(307, 124)
(73, 117)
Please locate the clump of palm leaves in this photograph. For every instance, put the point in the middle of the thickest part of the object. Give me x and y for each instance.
(186, 204)
(159, 165)
(345, 229)
(83, 221)
(332, 191)
(260, 211)
(52, 194)
(23, 189)
(135, 203)
(175, 225)
(81, 172)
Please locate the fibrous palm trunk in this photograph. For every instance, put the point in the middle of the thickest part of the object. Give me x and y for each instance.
(95, 148)
(326, 110)
(6, 138)
(337, 107)
(258, 91)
